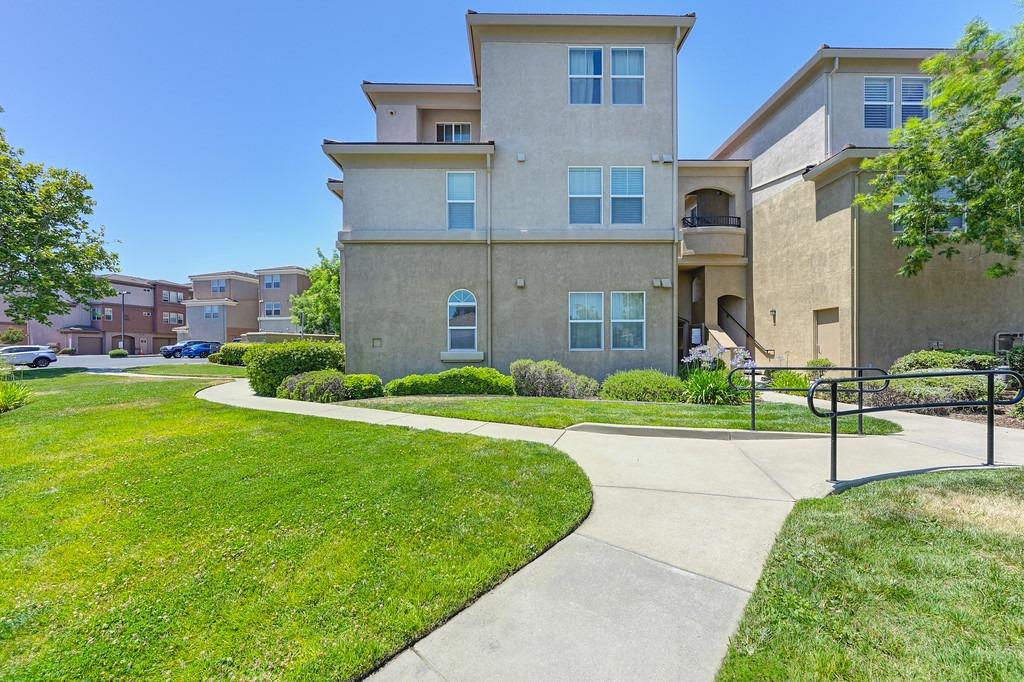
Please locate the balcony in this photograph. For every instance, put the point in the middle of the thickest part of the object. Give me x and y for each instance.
(710, 239)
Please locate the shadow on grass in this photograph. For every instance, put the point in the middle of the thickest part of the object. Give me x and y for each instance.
(51, 373)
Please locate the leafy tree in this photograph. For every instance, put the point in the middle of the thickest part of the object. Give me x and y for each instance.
(321, 302)
(965, 160)
(48, 251)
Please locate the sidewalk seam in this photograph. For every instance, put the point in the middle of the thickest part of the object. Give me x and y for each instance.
(692, 492)
(765, 473)
(427, 663)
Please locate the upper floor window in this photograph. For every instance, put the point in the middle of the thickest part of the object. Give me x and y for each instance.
(586, 320)
(628, 195)
(879, 102)
(108, 314)
(271, 309)
(913, 95)
(97, 313)
(461, 200)
(585, 193)
(453, 132)
(166, 296)
(585, 72)
(211, 312)
(271, 281)
(945, 195)
(629, 320)
(462, 320)
(218, 286)
(627, 75)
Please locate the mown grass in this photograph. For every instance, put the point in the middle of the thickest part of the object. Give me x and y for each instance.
(208, 369)
(920, 578)
(562, 412)
(146, 534)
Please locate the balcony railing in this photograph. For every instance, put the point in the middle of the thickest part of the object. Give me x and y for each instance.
(712, 221)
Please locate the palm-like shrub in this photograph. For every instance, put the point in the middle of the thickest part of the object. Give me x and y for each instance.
(710, 387)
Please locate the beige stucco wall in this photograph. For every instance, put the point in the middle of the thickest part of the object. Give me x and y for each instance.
(525, 109)
(531, 321)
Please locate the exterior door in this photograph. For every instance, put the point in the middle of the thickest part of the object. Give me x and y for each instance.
(826, 334)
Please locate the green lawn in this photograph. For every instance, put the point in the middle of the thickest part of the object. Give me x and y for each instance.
(920, 578)
(208, 369)
(561, 412)
(146, 534)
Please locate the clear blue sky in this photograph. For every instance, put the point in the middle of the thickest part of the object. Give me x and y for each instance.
(199, 123)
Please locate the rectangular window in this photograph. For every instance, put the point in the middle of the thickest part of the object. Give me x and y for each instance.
(586, 320)
(271, 281)
(211, 312)
(271, 309)
(944, 194)
(453, 132)
(218, 286)
(627, 75)
(913, 94)
(585, 71)
(629, 320)
(586, 190)
(167, 317)
(108, 314)
(627, 196)
(97, 314)
(461, 200)
(166, 295)
(178, 297)
(878, 102)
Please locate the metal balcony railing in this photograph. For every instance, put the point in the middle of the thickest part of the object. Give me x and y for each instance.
(712, 221)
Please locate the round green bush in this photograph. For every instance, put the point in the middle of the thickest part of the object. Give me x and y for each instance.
(548, 378)
(1015, 358)
(944, 359)
(330, 386)
(788, 380)
(268, 364)
(643, 385)
(360, 386)
(461, 381)
(215, 358)
(932, 390)
(233, 353)
(118, 353)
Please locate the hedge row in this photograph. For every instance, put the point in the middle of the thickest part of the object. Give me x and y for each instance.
(461, 381)
(268, 364)
(329, 386)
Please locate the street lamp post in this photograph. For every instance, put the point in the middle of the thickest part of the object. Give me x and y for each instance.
(120, 344)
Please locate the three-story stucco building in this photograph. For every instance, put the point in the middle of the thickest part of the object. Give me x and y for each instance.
(540, 211)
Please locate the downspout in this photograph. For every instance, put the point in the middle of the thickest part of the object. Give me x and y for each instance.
(490, 309)
(854, 273)
(828, 109)
(675, 209)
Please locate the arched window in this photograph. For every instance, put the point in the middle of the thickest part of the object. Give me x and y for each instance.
(462, 320)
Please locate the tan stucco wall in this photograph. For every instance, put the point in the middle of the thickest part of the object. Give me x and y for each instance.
(528, 322)
(429, 118)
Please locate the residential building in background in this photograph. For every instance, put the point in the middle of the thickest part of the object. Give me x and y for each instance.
(276, 287)
(540, 211)
(224, 306)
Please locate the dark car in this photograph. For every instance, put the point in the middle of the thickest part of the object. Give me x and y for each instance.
(201, 350)
(177, 349)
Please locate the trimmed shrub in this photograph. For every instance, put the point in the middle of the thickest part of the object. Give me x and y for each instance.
(548, 378)
(118, 353)
(1015, 358)
(12, 395)
(268, 364)
(789, 380)
(12, 337)
(360, 386)
(215, 358)
(461, 381)
(1018, 410)
(232, 353)
(67, 351)
(710, 387)
(823, 364)
(944, 359)
(644, 385)
(932, 390)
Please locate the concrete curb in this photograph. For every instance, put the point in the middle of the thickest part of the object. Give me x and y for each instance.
(688, 432)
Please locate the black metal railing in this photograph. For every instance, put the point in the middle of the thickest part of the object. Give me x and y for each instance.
(712, 221)
(990, 402)
(753, 388)
(768, 352)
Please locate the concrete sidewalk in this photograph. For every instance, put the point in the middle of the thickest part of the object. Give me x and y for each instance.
(654, 582)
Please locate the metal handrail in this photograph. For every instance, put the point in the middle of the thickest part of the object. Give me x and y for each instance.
(990, 403)
(768, 352)
(860, 390)
(711, 221)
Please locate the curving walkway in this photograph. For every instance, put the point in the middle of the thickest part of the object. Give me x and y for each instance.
(654, 582)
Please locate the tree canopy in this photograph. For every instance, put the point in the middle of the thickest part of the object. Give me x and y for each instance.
(321, 302)
(48, 251)
(957, 176)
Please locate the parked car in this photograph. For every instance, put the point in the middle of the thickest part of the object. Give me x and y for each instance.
(177, 349)
(201, 350)
(33, 356)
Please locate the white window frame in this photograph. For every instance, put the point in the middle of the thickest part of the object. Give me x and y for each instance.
(218, 286)
(599, 77)
(570, 196)
(269, 306)
(642, 197)
(572, 322)
(920, 103)
(166, 317)
(448, 321)
(448, 201)
(469, 127)
(166, 296)
(642, 320)
(642, 77)
(272, 281)
(108, 314)
(891, 103)
(211, 312)
(97, 314)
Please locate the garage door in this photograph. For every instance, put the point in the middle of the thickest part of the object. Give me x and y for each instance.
(90, 345)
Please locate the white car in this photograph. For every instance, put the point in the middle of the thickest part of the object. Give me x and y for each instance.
(33, 356)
